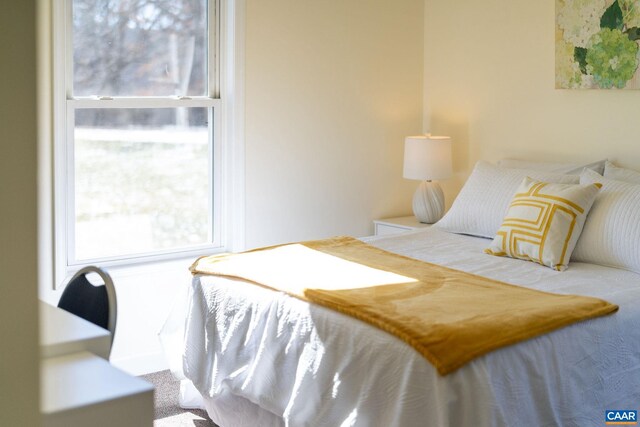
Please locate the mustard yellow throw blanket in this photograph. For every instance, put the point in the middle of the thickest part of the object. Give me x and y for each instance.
(448, 316)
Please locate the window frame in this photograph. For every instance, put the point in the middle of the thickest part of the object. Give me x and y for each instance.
(226, 149)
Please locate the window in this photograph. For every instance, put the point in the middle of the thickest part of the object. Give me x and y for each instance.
(138, 130)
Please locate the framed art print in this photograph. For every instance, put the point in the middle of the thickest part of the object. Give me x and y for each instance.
(597, 44)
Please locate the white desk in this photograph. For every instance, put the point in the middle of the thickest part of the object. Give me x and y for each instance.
(82, 389)
(63, 333)
(78, 386)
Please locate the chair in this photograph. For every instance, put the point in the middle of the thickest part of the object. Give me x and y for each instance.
(94, 303)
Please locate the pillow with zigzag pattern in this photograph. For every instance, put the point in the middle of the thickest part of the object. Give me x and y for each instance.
(544, 222)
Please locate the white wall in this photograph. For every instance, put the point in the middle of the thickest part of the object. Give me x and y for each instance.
(332, 89)
(489, 82)
(146, 295)
(19, 356)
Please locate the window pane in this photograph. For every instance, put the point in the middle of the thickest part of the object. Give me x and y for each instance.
(139, 47)
(141, 181)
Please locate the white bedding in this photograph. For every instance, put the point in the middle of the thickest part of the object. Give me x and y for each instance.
(262, 358)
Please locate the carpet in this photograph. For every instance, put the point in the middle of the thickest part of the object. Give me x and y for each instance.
(167, 411)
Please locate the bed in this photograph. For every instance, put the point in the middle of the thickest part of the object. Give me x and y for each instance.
(263, 358)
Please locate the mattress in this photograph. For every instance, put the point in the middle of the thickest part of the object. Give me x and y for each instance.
(263, 358)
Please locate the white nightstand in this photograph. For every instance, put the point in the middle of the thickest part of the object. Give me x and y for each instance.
(397, 225)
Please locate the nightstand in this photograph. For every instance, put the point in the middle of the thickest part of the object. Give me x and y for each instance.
(397, 225)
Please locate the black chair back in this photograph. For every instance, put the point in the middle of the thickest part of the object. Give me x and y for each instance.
(96, 304)
(87, 301)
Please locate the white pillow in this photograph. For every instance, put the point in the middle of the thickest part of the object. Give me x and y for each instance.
(565, 168)
(611, 234)
(544, 222)
(612, 171)
(484, 200)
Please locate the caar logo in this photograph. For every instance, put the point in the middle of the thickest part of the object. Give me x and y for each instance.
(618, 417)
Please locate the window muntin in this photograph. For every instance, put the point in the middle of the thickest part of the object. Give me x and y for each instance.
(140, 47)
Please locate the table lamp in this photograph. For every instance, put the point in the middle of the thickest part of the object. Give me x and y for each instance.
(428, 158)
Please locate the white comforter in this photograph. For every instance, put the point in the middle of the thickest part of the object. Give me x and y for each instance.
(262, 358)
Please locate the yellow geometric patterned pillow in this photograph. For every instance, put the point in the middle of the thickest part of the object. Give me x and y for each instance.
(544, 222)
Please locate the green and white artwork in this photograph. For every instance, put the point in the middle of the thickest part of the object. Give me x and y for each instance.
(597, 44)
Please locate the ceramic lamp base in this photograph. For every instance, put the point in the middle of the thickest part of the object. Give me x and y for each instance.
(428, 202)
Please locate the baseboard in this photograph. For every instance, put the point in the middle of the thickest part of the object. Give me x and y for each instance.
(142, 364)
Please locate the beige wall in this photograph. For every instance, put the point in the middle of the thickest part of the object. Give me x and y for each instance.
(19, 358)
(489, 82)
(332, 89)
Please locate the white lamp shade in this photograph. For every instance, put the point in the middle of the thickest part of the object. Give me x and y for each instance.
(427, 157)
